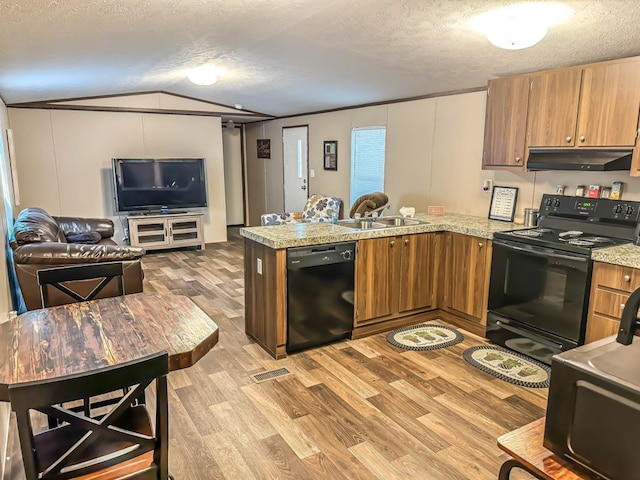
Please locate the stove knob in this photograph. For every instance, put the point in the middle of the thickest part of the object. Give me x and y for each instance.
(548, 202)
(629, 210)
(556, 203)
(617, 209)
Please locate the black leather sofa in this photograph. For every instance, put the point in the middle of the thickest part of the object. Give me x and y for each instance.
(42, 241)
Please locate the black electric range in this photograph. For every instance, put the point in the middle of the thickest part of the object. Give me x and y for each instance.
(540, 277)
(578, 224)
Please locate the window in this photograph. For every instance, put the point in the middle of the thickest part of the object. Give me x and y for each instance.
(367, 160)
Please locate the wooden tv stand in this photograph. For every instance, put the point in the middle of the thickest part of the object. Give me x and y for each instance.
(169, 230)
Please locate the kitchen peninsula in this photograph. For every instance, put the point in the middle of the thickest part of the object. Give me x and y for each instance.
(403, 275)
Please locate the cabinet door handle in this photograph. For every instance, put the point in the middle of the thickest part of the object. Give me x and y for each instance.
(581, 138)
(622, 306)
(518, 159)
(392, 243)
(480, 244)
(568, 139)
(406, 242)
(627, 278)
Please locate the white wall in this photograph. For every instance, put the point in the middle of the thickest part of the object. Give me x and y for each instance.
(234, 192)
(64, 158)
(433, 157)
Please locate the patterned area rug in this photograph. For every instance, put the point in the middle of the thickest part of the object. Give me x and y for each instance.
(509, 366)
(424, 337)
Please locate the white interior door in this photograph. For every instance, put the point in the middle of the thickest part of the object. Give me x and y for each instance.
(296, 163)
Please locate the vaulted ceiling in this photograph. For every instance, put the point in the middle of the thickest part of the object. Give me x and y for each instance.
(283, 57)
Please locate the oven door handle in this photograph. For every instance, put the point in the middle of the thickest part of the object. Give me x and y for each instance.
(529, 334)
(545, 253)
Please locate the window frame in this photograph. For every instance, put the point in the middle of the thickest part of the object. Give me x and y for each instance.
(354, 131)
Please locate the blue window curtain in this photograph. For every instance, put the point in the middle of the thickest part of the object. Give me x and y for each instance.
(17, 300)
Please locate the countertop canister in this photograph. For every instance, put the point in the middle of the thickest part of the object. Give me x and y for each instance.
(531, 217)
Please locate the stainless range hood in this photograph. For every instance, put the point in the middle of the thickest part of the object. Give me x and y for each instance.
(579, 159)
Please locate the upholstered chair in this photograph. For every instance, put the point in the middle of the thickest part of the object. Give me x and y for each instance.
(319, 208)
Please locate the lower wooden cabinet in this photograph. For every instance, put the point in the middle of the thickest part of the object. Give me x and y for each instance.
(417, 271)
(466, 277)
(398, 280)
(265, 309)
(394, 275)
(611, 286)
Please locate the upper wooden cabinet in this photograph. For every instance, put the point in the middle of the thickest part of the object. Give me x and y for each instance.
(590, 106)
(553, 108)
(595, 106)
(609, 105)
(505, 123)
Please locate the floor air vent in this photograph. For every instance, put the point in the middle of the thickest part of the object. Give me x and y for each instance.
(263, 377)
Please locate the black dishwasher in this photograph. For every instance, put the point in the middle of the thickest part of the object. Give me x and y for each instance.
(319, 294)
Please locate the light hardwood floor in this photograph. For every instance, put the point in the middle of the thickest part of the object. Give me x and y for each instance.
(358, 409)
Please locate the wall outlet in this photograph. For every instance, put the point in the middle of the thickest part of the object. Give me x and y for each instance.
(259, 266)
(312, 173)
(487, 185)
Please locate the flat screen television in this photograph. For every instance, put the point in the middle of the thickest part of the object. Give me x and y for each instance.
(150, 184)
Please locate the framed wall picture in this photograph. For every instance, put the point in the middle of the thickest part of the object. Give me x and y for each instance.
(264, 148)
(503, 203)
(331, 155)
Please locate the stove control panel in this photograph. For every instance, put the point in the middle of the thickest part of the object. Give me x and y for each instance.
(596, 208)
(588, 206)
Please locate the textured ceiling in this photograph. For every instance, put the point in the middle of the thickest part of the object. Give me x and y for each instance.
(283, 57)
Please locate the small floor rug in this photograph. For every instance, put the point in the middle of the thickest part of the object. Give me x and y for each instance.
(509, 366)
(424, 337)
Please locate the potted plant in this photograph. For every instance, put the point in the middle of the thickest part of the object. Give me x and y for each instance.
(492, 356)
(527, 372)
(426, 336)
(510, 363)
(411, 338)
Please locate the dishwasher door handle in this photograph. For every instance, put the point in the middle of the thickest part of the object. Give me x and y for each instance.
(306, 257)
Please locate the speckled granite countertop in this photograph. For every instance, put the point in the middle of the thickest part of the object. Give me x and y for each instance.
(303, 234)
(624, 255)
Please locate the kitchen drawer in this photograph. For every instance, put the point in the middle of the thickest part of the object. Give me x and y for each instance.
(600, 327)
(616, 277)
(609, 303)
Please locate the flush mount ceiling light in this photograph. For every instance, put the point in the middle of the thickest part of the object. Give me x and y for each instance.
(521, 25)
(205, 75)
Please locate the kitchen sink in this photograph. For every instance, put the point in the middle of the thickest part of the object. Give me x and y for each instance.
(363, 224)
(398, 221)
(381, 222)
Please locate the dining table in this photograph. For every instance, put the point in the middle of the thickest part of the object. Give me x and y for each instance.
(80, 337)
(525, 446)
